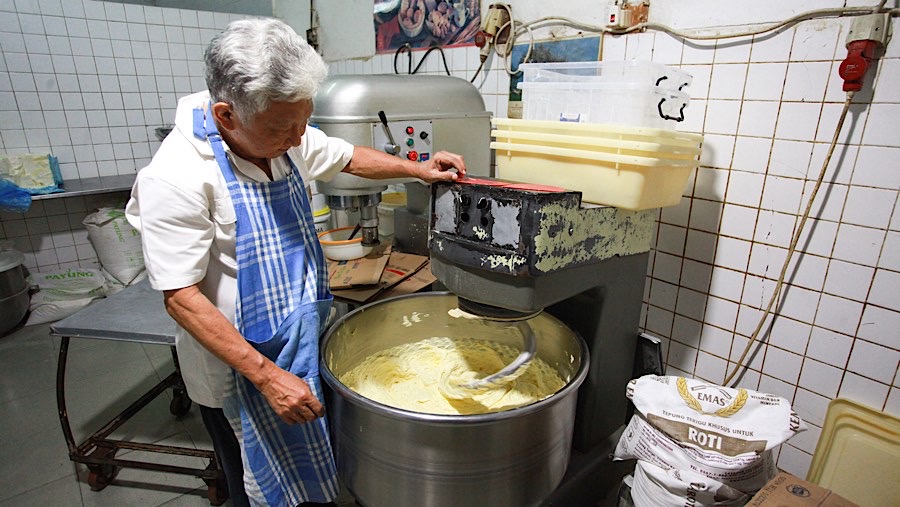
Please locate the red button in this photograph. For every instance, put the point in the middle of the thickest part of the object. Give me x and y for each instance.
(413, 155)
(410, 130)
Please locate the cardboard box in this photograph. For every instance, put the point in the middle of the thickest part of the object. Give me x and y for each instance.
(400, 266)
(786, 490)
(364, 271)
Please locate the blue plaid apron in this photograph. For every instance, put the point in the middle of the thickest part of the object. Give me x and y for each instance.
(282, 305)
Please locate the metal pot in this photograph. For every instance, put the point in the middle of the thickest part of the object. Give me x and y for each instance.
(14, 296)
(392, 457)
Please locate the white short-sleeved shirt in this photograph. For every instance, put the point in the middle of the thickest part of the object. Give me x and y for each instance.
(181, 206)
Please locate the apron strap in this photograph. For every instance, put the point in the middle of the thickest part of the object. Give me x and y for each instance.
(205, 128)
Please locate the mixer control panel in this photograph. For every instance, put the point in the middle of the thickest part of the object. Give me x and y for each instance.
(412, 139)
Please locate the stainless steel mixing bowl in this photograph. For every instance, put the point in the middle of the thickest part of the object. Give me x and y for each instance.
(392, 457)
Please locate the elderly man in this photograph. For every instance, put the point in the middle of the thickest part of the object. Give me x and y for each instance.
(229, 238)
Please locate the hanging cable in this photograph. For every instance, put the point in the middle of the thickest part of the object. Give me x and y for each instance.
(477, 71)
(408, 49)
(444, 58)
(794, 240)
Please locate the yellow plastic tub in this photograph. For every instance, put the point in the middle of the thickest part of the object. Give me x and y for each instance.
(664, 137)
(858, 454)
(626, 167)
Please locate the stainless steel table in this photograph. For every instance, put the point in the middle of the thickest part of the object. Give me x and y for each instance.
(147, 322)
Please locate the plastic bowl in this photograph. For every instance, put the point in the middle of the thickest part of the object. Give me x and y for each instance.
(338, 248)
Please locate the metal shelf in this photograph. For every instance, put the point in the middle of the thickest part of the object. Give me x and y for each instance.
(87, 186)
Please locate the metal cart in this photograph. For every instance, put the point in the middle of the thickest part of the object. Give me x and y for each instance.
(147, 322)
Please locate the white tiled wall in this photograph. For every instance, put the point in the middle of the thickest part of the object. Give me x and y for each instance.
(768, 114)
(768, 108)
(89, 81)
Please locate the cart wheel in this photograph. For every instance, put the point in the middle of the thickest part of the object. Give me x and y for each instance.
(180, 405)
(101, 476)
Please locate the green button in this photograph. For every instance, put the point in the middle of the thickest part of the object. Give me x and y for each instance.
(410, 142)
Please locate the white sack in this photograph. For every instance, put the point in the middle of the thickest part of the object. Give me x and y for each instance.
(62, 293)
(117, 243)
(718, 432)
(729, 422)
(656, 487)
(113, 285)
(747, 472)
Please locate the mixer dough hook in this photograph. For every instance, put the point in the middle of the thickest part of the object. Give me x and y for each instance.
(454, 390)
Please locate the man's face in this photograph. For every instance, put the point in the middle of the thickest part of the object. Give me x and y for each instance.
(270, 133)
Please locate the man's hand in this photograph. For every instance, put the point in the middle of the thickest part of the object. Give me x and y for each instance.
(288, 394)
(438, 168)
(290, 397)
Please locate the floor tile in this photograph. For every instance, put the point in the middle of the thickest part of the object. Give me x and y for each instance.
(30, 461)
(31, 414)
(62, 492)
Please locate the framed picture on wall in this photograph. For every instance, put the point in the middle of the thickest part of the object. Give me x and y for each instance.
(422, 24)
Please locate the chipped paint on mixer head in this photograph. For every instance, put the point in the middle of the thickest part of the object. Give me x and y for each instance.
(507, 226)
(508, 261)
(566, 238)
(445, 210)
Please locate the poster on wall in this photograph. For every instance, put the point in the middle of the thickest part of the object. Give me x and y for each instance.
(425, 23)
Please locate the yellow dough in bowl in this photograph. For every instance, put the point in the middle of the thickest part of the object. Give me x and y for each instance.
(409, 377)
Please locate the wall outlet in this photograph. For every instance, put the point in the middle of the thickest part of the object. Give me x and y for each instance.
(874, 27)
(619, 16)
(623, 14)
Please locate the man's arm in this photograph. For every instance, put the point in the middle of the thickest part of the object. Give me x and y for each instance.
(373, 164)
(288, 394)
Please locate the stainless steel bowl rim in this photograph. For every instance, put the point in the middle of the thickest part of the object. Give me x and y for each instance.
(490, 417)
(16, 295)
(10, 259)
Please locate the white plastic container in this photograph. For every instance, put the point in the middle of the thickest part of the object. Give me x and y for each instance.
(390, 201)
(588, 102)
(612, 165)
(338, 247)
(318, 201)
(322, 218)
(629, 72)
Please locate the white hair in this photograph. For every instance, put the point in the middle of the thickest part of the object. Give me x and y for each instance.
(254, 62)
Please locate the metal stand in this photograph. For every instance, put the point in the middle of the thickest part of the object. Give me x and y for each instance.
(98, 451)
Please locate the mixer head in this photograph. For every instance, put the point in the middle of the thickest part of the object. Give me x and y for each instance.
(495, 313)
(509, 250)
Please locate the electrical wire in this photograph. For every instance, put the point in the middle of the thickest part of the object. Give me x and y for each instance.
(444, 58)
(518, 28)
(804, 16)
(794, 240)
(408, 49)
(477, 71)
